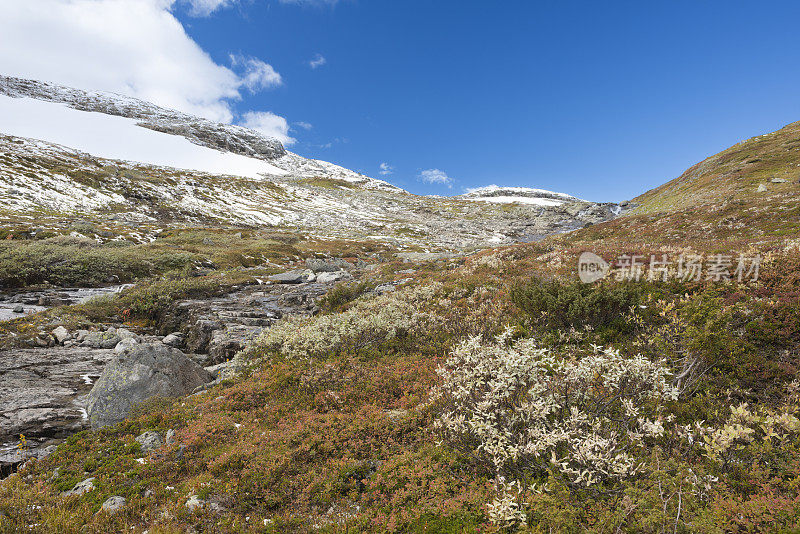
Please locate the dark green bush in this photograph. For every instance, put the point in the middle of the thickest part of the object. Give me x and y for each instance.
(343, 294)
(557, 305)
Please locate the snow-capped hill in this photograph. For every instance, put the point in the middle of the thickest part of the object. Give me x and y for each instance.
(122, 128)
(520, 195)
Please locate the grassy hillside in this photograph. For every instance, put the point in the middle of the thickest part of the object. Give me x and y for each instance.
(733, 176)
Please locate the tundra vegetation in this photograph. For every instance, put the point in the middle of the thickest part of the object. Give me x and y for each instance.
(491, 397)
(494, 394)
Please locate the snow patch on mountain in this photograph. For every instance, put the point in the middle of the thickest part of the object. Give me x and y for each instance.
(120, 138)
(519, 195)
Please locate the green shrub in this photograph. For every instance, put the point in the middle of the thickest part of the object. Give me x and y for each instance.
(558, 305)
(69, 261)
(343, 294)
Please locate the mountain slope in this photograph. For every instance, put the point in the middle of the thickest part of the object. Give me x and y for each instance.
(68, 155)
(743, 197)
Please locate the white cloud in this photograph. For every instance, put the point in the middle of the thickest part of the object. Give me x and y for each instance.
(386, 169)
(435, 176)
(304, 125)
(269, 124)
(317, 61)
(133, 47)
(204, 8)
(257, 74)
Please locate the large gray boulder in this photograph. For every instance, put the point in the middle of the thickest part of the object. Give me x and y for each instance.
(293, 277)
(327, 265)
(149, 370)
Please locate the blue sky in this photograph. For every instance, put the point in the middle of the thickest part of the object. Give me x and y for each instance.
(603, 100)
(599, 99)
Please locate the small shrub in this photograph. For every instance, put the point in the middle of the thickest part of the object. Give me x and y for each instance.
(368, 321)
(559, 305)
(343, 294)
(520, 411)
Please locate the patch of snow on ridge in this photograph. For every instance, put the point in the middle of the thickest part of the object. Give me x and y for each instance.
(496, 190)
(119, 138)
(520, 200)
(520, 195)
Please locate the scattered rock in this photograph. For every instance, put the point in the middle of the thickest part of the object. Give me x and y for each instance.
(175, 339)
(293, 277)
(61, 334)
(18, 309)
(149, 370)
(124, 333)
(170, 437)
(194, 502)
(81, 488)
(150, 441)
(778, 181)
(385, 288)
(101, 340)
(328, 277)
(761, 188)
(80, 335)
(126, 345)
(113, 504)
(396, 415)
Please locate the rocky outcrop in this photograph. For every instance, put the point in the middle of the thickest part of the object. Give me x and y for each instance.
(42, 390)
(149, 370)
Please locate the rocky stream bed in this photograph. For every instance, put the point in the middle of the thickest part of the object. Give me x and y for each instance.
(44, 391)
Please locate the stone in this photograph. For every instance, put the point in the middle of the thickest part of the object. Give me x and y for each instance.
(321, 265)
(80, 488)
(194, 502)
(61, 334)
(292, 277)
(18, 309)
(149, 370)
(126, 345)
(385, 288)
(328, 277)
(80, 335)
(46, 451)
(170, 437)
(778, 180)
(396, 415)
(208, 241)
(113, 504)
(150, 441)
(124, 333)
(175, 339)
(101, 340)
(761, 188)
(42, 390)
